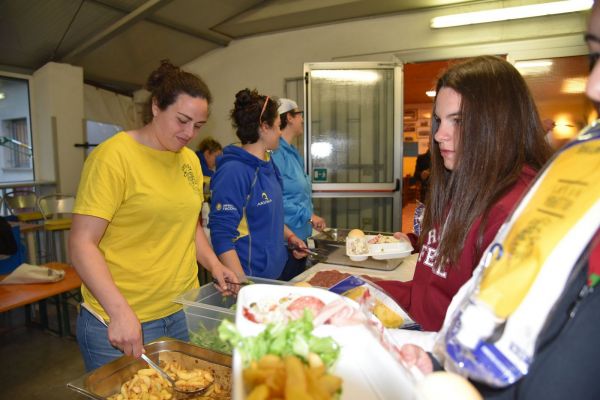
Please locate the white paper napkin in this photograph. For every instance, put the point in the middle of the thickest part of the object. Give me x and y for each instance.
(26, 273)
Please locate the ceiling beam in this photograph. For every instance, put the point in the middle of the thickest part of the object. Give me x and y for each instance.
(219, 39)
(136, 15)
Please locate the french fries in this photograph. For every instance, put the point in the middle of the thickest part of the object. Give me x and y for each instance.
(273, 377)
(147, 384)
(188, 380)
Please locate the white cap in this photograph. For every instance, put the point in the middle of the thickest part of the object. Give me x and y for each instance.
(286, 105)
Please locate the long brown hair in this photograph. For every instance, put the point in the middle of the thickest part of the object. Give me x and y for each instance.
(500, 132)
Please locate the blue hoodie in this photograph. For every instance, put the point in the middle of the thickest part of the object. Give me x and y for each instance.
(245, 181)
(297, 203)
(205, 170)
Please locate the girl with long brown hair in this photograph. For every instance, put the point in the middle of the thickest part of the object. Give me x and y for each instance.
(487, 144)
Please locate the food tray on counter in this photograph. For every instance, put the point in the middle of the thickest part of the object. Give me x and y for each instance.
(367, 369)
(107, 380)
(333, 251)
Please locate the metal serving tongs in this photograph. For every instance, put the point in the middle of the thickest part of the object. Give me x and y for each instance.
(331, 233)
(312, 252)
(171, 381)
(245, 283)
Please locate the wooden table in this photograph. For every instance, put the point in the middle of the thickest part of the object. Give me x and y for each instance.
(13, 296)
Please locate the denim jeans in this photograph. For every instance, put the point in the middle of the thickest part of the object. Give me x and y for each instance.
(96, 350)
(293, 267)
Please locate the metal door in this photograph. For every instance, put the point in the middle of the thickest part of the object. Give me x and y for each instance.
(353, 143)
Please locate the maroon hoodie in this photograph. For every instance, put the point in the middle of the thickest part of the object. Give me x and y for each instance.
(427, 297)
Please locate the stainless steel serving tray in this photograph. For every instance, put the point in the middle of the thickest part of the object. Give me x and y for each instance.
(107, 380)
(333, 251)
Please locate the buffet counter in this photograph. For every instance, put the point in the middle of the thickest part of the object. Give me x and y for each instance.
(404, 272)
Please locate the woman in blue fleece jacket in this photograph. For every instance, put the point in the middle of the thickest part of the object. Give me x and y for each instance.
(297, 201)
(246, 220)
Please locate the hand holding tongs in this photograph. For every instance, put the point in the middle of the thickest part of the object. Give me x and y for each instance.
(295, 247)
(245, 283)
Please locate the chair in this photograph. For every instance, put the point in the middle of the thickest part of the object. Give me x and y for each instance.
(23, 204)
(57, 211)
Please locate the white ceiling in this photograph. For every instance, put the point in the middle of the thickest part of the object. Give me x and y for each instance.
(118, 42)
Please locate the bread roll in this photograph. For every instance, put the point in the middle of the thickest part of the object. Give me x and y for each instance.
(302, 284)
(447, 386)
(356, 233)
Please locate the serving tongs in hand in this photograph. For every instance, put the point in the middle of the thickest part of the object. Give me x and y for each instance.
(172, 381)
(245, 283)
(312, 252)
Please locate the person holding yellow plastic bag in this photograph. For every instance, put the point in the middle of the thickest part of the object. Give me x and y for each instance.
(527, 324)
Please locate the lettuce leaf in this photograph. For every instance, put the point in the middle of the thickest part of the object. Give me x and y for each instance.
(292, 338)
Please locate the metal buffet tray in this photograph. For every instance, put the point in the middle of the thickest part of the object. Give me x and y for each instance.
(332, 250)
(107, 380)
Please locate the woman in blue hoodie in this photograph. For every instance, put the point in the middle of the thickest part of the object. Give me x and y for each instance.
(246, 219)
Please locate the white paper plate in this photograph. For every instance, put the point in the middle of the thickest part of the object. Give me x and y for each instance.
(367, 369)
(382, 251)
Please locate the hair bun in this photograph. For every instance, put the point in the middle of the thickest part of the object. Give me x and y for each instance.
(157, 77)
(245, 98)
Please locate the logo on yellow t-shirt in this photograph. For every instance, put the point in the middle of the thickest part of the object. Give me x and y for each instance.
(191, 178)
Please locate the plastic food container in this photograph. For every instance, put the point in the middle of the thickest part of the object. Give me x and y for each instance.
(107, 380)
(205, 307)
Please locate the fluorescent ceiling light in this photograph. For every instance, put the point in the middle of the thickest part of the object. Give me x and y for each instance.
(430, 93)
(573, 85)
(533, 67)
(509, 13)
(2, 96)
(533, 64)
(347, 75)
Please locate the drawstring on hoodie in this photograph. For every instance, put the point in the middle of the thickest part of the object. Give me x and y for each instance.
(248, 222)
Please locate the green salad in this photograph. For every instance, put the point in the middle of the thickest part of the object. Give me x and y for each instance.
(282, 339)
(209, 339)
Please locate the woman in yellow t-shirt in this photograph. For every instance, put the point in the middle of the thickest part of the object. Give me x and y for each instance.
(135, 239)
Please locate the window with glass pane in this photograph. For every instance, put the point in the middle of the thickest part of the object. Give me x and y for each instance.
(98, 132)
(351, 118)
(16, 153)
(367, 213)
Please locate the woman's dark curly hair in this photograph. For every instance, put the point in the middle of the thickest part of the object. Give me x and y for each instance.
(246, 114)
(167, 82)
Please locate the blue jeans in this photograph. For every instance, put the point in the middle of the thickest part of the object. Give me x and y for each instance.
(293, 267)
(96, 350)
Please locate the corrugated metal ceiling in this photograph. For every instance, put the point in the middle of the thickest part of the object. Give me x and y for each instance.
(118, 42)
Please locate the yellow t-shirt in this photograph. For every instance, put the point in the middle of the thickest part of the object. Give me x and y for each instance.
(152, 200)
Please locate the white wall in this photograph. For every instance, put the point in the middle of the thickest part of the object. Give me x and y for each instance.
(58, 92)
(263, 62)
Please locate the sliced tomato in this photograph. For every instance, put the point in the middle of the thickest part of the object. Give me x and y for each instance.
(250, 315)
